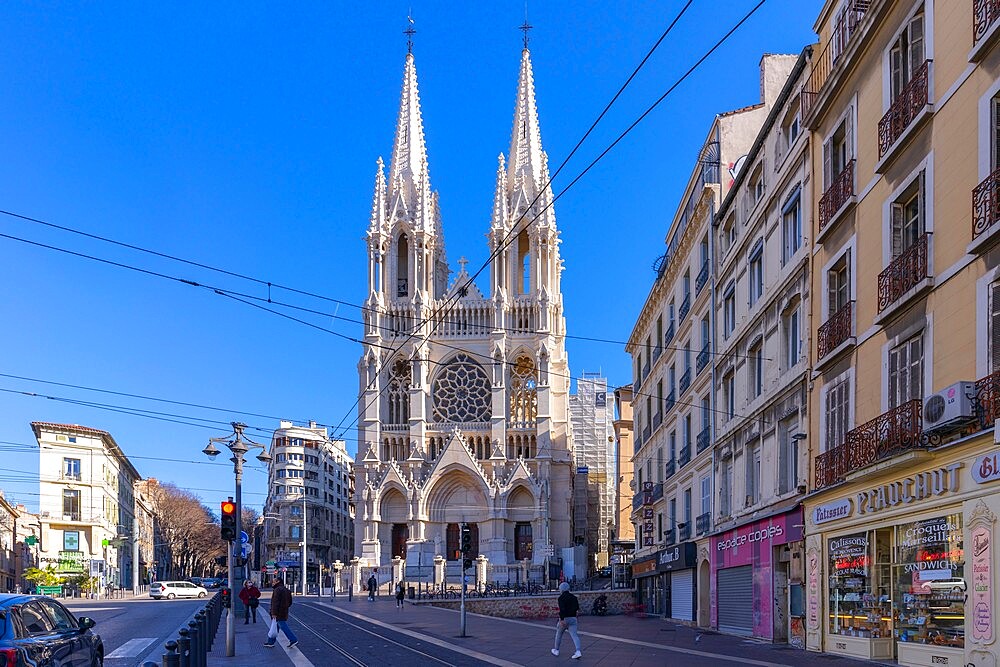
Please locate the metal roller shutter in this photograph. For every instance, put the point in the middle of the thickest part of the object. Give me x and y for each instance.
(735, 600)
(682, 595)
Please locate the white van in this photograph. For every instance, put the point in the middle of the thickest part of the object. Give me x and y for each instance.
(176, 589)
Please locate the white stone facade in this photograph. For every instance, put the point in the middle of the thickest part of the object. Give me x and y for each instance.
(464, 411)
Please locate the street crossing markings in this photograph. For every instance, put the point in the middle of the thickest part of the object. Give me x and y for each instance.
(133, 648)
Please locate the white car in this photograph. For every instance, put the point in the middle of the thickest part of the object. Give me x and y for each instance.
(176, 589)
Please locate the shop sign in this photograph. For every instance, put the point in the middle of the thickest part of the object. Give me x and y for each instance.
(986, 468)
(849, 555)
(982, 595)
(921, 486)
(831, 511)
(644, 566)
(772, 531)
(812, 581)
(677, 557)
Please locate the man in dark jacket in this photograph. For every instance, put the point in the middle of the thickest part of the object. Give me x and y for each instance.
(568, 608)
(281, 600)
(372, 587)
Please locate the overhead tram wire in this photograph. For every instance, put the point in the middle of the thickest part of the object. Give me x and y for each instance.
(508, 237)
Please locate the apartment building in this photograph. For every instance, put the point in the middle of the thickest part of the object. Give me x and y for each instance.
(310, 499)
(8, 545)
(902, 104)
(86, 502)
(672, 346)
(624, 534)
(761, 377)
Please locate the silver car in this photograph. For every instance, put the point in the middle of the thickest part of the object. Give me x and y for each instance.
(176, 589)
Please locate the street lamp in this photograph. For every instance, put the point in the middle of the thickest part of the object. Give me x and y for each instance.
(239, 447)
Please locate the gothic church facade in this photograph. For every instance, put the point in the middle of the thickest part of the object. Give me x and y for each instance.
(464, 410)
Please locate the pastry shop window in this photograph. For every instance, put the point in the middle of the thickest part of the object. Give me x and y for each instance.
(930, 582)
(860, 587)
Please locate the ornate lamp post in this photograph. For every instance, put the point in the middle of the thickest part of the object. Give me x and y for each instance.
(239, 447)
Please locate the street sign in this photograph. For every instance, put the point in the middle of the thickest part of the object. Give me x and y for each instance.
(244, 538)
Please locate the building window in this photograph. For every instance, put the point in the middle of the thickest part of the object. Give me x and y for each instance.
(728, 238)
(71, 469)
(837, 409)
(995, 132)
(791, 227)
(792, 339)
(994, 328)
(524, 391)
(838, 150)
(659, 464)
(755, 187)
(687, 507)
(906, 371)
(906, 54)
(71, 505)
(706, 494)
(756, 276)
(725, 489)
(788, 454)
(71, 540)
(790, 128)
(402, 267)
(753, 476)
(729, 310)
(908, 217)
(838, 280)
(706, 412)
(729, 394)
(399, 392)
(756, 370)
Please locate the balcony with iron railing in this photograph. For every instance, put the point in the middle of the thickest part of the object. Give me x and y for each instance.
(684, 456)
(702, 279)
(685, 381)
(704, 439)
(646, 433)
(986, 203)
(701, 361)
(837, 195)
(841, 37)
(894, 432)
(657, 351)
(684, 531)
(669, 335)
(657, 492)
(657, 420)
(835, 331)
(904, 273)
(669, 536)
(912, 99)
(669, 469)
(669, 402)
(984, 14)
(685, 307)
(703, 523)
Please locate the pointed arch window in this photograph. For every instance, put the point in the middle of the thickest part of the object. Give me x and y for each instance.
(523, 263)
(523, 392)
(399, 392)
(402, 266)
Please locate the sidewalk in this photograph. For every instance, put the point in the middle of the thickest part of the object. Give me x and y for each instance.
(250, 650)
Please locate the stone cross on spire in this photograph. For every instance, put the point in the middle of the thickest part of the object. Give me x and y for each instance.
(409, 32)
(462, 261)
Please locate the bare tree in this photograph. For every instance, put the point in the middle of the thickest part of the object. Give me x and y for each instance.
(188, 529)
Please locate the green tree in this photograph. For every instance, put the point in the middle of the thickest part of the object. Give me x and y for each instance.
(43, 577)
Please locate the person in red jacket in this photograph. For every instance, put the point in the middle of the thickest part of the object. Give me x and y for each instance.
(250, 597)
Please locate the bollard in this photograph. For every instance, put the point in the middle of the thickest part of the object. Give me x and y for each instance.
(203, 635)
(196, 651)
(184, 648)
(171, 658)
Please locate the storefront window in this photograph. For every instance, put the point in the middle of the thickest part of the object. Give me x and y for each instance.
(930, 582)
(859, 584)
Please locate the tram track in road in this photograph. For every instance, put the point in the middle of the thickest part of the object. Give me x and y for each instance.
(335, 647)
(339, 619)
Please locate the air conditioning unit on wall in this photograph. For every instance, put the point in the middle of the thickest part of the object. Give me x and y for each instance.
(950, 406)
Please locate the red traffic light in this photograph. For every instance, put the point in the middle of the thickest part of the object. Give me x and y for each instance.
(228, 507)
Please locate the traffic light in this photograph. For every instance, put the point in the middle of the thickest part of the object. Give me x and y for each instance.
(466, 539)
(228, 520)
(466, 563)
(227, 598)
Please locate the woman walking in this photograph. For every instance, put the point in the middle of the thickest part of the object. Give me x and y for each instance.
(400, 594)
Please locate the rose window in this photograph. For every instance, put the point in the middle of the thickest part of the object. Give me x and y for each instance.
(462, 392)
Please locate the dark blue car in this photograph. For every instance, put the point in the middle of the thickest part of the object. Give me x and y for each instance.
(38, 631)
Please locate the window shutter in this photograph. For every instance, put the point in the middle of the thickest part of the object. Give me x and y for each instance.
(783, 462)
(893, 377)
(995, 118)
(896, 67)
(849, 135)
(827, 165)
(916, 43)
(897, 230)
(916, 368)
(921, 204)
(995, 327)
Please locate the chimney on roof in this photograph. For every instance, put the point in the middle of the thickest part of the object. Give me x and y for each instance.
(312, 424)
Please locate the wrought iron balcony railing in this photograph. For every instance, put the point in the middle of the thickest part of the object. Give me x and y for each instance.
(669, 469)
(684, 531)
(657, 351)
(835, 330)
(891, 433)
(669, 335)
(701, 361)
(836, 195)
(657, 420)
(702, 278)
(669, 402)
(984, 13)
(903, 110)
(684, 456)
(685, 307)
(669, 536)
(840, 38)
(986, 202)
(646, 432)
(903, 273)
(988, 399)
(685, 381)
(657, 492)
(704, 439)
(703, 523)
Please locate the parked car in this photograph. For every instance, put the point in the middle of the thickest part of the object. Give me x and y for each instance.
(197, 581)
(37, 630)
(176, 589)
(604, 571)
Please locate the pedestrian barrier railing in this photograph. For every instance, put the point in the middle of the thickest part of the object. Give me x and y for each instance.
(193, 642)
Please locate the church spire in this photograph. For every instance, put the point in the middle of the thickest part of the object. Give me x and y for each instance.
(526, 139)
(409, 179)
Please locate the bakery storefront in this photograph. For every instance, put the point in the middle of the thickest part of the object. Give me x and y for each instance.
(676, 567)
(752, 568)
(900, 564)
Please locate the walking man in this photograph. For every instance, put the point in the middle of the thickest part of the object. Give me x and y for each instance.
(250, 597)
(372, 587)
(281, 600)
(400, 594)
(568, 608)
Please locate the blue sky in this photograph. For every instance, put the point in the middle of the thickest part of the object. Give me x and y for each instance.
(245, 135)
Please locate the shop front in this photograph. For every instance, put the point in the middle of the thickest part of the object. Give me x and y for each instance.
(676, 566)
(900, 565)
(648, 584)
(752, 567)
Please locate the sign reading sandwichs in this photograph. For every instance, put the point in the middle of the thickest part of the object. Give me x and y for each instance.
(915, 488)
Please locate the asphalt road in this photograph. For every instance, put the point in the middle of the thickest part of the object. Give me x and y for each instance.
(135, 630)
